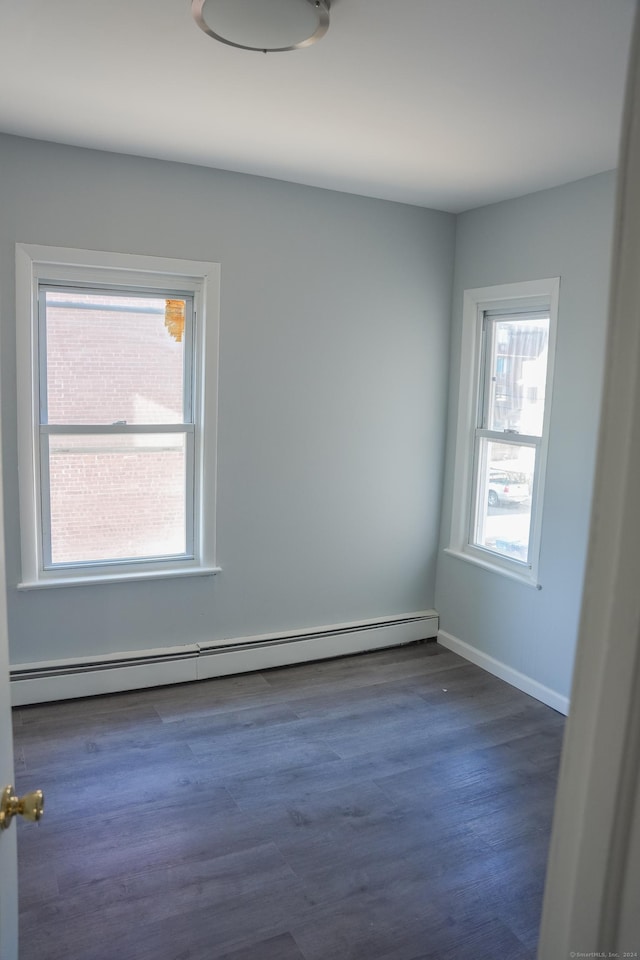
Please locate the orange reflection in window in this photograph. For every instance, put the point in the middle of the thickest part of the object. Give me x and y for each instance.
(174, 318)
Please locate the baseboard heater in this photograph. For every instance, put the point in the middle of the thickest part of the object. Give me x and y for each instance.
(136, 669)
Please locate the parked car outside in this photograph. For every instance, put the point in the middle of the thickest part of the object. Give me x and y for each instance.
(506, 488)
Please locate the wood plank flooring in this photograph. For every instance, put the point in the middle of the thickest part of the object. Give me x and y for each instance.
(388, 806)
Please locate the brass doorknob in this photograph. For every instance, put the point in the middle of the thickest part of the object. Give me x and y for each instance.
(31, 806)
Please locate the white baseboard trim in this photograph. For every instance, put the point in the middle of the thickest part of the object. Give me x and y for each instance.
(277, 650)
(132, 670)
(505, 672)
(113, 673)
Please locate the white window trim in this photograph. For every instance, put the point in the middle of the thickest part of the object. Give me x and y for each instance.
(35, 262)
(529, 294)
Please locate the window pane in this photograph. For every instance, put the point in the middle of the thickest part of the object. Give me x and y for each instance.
(117, 497)
(517, 374)
(113, 358)
(503, 506)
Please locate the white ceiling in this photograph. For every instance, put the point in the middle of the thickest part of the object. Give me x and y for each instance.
(448, 104)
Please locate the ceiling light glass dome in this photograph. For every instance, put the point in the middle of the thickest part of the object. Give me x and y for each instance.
(269, 26)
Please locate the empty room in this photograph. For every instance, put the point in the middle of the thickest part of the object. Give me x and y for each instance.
(304, 313)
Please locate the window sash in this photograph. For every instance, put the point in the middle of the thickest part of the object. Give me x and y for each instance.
(47, 430)
(487, 382)
(507, 437)
(188, 339)
(477, 503)
(187, 427)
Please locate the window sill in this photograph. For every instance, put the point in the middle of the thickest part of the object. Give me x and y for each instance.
(168, 573)
(526, 579)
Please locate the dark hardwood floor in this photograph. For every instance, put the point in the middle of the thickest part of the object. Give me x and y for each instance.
(389, 806)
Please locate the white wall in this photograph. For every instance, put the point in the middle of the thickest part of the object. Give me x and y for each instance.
(334, 338)
(562, 232)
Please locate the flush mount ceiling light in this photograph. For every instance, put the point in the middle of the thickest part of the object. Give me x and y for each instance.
(268, 26)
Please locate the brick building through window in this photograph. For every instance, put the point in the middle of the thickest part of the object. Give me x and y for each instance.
(113, 360)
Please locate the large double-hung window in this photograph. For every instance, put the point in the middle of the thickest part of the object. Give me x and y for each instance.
(503, 425)
(117, 415)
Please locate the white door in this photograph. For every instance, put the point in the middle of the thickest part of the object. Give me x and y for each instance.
(8, 857)
(593, 879)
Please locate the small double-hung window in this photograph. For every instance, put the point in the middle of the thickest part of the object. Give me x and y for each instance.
(117, 430)
(503, 425)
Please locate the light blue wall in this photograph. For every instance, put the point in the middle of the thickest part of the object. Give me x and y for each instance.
(334, 346)
(334, 343)
(562, 232)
